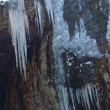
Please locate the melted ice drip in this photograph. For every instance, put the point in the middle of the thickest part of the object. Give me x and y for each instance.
(49, 7)
(18, 22)
(39, 15)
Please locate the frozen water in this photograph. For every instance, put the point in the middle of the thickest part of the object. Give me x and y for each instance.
(83, 46)
(85, 96)
(108, 27)
(39, 15)
(81, 43)
(18, 22)
(49, 7)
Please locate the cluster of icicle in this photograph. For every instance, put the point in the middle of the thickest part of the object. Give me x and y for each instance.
(19, 27)
(18, 22)
(85, 96)
(40, 16)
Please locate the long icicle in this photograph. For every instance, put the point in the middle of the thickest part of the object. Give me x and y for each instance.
(49, 8)
(18, 22)
(39, 16)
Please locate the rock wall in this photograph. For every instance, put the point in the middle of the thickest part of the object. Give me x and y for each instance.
(62, 73)
(38, 92)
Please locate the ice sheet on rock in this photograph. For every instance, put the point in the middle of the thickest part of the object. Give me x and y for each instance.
(61, 33)
(63, 97)
(49, 8)
(81, 42)
(18, 22)
(39, 15)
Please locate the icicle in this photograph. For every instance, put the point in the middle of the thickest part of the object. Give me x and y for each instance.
(72, 97)
(18, 22)
(85, 95)
(108, 27)
(65, 98)
(49, 7)
(90, 93)
(39, 15)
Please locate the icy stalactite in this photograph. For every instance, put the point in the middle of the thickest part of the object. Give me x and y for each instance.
(72, 97)
(18, 22)
(108, 27)
(39, 15)
(49, 7)
(87, 95)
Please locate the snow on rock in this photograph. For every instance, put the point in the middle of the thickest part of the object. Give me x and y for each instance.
(18, 22)
(81, 42)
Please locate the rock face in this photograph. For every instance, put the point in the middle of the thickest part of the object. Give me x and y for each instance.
(68, 68)
(38, 92)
